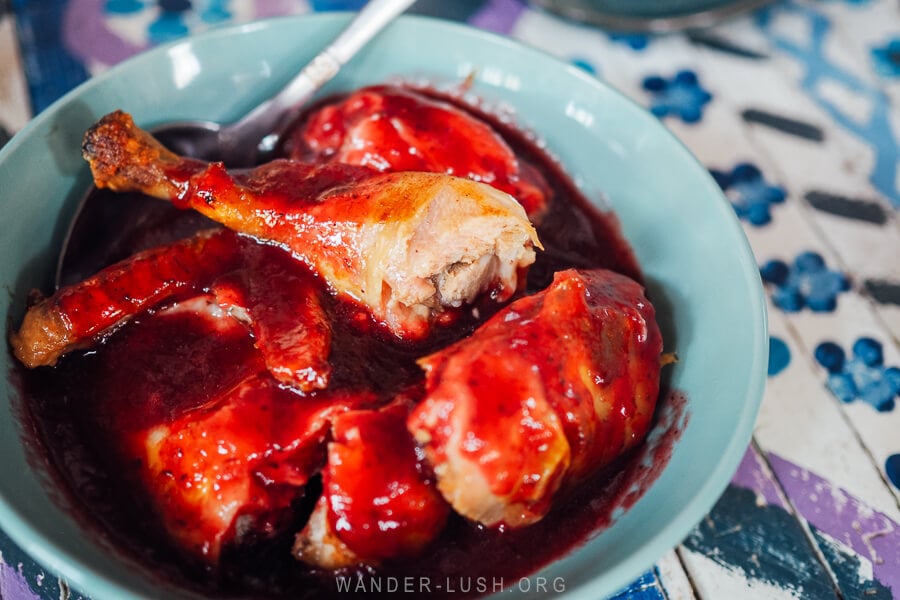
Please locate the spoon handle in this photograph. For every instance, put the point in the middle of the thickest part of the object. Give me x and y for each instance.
(373, 17)
(282, 107)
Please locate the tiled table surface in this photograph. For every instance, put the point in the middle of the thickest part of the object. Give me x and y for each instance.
(796, 111)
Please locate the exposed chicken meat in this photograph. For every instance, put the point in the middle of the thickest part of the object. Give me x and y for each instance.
(550, 389)
(238, 462)
(392, 511)
(319, 545)
(391, 128)
(405, 245)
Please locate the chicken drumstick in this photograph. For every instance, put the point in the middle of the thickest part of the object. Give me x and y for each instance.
(550, 389)
(405, 245)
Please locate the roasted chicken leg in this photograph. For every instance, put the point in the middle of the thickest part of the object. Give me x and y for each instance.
(550, 389)
(379, 501)
(74, 316)
(392, 128)
(264, 288)
(238, 462)
(405, 245)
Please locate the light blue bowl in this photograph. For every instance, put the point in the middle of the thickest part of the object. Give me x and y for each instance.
(684, 232)
(649, 15)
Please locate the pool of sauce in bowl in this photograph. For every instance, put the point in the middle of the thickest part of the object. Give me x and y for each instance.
(155, 369)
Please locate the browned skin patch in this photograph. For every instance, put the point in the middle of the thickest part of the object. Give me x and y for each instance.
(124, 157)
(43, 337)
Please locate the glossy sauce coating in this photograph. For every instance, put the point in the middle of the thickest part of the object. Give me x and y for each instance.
(388, 128)
(550, 389)
(75, 315)
(391, 511)
(88, 429)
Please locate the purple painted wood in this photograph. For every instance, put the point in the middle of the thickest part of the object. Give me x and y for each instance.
(753, 474)
(499, 16)
(275, 8)
(845, 518)
(85, 30)
(751, 545)
(22, 578)
(13, 585)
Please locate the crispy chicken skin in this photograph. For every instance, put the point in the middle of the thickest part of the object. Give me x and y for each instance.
(74, 316)
(550, 389)
(391, 128)
(265, 288)
(378, 499)
(405, 245)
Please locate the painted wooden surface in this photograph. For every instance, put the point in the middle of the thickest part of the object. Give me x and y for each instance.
(794, 109)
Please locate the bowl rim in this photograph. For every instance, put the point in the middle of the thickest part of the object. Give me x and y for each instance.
(84, 578)
(714, 485)
(582, 12)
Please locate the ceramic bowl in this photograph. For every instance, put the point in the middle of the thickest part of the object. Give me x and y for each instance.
(697, 262)
(649, 15)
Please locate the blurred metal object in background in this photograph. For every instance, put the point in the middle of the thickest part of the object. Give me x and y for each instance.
(648, 15)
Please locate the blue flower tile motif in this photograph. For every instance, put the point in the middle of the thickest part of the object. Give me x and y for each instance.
(123, 7)
(635, 41)
(808, 282)
(584, 64)
(750, 194)
(886, 59)
(174, 18)
(174, 6)
(170, 24)
(216, 11)
(167, 27)
(682, 96)
(863, 376)
(326, 5)
(892, 469)
(779, 355)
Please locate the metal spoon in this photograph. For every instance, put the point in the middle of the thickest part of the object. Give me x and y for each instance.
(244, 143)
(248, 141)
